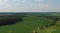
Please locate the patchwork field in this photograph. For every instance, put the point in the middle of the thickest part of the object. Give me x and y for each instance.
(33, 24)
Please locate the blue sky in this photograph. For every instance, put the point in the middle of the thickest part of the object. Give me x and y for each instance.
(54, 5)
(29, 5)
(55, 2)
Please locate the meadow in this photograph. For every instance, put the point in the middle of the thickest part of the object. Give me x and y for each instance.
(42, 23)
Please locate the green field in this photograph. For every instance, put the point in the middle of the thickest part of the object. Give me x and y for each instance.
(30, 24)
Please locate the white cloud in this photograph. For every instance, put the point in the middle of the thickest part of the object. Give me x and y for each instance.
(23, 1)
(38, 0)
(43, 5)
(5, 0)
(0, 0)
(7, 7)
(54, 8)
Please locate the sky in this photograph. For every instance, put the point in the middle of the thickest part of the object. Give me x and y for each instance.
(29, 5)
(54, 5)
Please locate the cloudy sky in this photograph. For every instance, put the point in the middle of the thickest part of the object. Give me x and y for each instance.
(29, 5)
(54, 5)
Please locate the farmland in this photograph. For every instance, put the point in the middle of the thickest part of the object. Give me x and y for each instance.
(40, 23)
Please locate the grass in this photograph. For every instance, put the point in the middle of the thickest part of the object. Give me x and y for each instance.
(47, 30)
(52, 29)
(30, 24)
(56, 31)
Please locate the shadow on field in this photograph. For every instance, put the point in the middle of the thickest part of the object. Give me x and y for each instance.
(4, 22)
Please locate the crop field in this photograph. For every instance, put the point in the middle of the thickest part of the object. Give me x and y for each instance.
(46, 23)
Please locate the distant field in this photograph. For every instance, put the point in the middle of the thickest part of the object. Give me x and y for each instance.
(31, 23)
